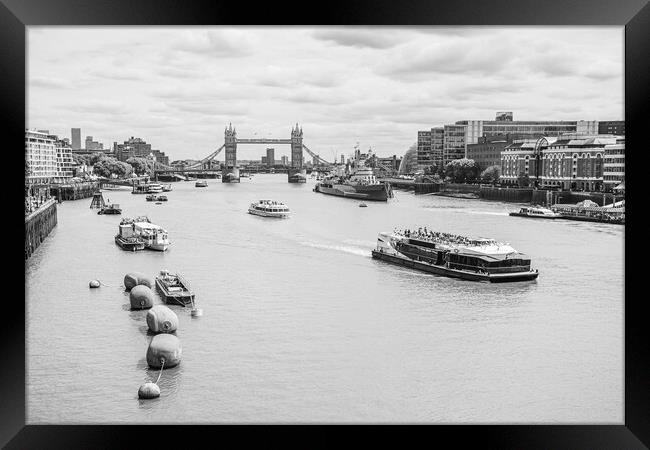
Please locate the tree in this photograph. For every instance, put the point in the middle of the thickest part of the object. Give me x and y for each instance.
(523, 180)
(491, 174)
(462, 170)
(107, 166)
(141, 166)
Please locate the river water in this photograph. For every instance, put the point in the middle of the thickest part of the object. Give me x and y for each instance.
(300, 324)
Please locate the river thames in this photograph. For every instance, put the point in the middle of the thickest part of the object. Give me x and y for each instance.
(301, 325)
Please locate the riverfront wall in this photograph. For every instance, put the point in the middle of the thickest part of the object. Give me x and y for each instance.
(38, 226)
(74, 191)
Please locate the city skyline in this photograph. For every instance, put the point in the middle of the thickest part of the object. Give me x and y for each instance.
(373, 85)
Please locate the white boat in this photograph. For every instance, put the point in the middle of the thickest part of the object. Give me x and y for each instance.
(536, 212)
(201, 183)
(154, 188)
(166, 187)
(269, 208)
(154, 236)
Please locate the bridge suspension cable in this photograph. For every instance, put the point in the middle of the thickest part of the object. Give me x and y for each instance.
(210, 157)
(314, 155)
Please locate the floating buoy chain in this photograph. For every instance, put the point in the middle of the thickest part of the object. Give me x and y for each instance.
(162, 366)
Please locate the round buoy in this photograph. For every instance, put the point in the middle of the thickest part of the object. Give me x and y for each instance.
(161, 319)
(149, 390)
(141, 297)
(133, 279)
(164, 347)
(94, 284)
(196, 312)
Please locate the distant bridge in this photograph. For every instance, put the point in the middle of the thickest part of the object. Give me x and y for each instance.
(230, 145)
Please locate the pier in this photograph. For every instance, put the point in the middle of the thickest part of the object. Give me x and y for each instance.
(38, 225)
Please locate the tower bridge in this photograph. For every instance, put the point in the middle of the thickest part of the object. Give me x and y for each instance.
(231, 171)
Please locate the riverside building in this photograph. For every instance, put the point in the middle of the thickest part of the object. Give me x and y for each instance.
(570, 162)
(40, 157)
(487, 152)
(456, 137)
(614, 164)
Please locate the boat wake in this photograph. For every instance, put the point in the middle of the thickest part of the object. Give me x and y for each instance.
(365, 252)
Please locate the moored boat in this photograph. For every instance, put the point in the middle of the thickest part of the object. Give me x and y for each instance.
(154, 236)
(112, 208)
(362, 184)
(126, 238)
(201, 183)
(174, 289)
(536, 212)
(269, 208)
(151, 197)
(476, 259)
(154, 188)
(166, 187)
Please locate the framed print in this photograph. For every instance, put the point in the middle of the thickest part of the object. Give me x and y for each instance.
(357, 214)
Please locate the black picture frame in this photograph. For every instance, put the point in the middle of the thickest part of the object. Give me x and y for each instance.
(16, 15)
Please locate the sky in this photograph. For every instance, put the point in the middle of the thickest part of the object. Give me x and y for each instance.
(179, 87)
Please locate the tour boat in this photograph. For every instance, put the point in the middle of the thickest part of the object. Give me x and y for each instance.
(297, 176)
(478, 259)
(536, 212)
(201, 183)
(154, 188)
(112, 208)
(126, 238)
(174, 289)
(155, 237)
(269, 208)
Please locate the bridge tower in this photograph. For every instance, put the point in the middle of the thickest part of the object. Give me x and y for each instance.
(296, 172)
(296, 148)
(231, 172)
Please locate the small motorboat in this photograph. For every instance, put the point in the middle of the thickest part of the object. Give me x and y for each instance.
(201, 183)
(158, 203)
(362, 205)
(151, 198)
(166, 187)
(113, 208)
(162, 198)
(174, 289)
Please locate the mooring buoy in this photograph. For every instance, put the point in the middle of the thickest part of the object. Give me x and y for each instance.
(149, 390)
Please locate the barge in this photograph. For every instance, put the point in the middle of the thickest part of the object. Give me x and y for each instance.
(174, 289)
(479, 259)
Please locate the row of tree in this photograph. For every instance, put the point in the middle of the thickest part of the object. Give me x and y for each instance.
(106, 166)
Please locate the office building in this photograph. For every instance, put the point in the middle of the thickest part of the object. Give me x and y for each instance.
(40, 157)
(133, 147)
(270, 157)
(487, 151)
(615, 127)
(614, 164)
(93, 146)
(284, 160)
(76, 138)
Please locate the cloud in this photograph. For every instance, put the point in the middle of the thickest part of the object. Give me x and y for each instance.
(49, 82)
(376, 38)
(222, 43)
(119, 74)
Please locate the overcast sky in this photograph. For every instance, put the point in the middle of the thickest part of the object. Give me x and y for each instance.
(178, 87)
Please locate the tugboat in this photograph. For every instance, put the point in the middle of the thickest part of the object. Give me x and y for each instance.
(174, 289)
(478, 259)
(154, 236)
(536, 212)
(269, 208)
(126, 238)
(201, 183)
(112, 208)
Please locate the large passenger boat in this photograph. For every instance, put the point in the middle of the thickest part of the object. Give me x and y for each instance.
(154, 236)
(536, 212)
(478, 259)
(269, 208)
(361, 184)
(154, 188)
